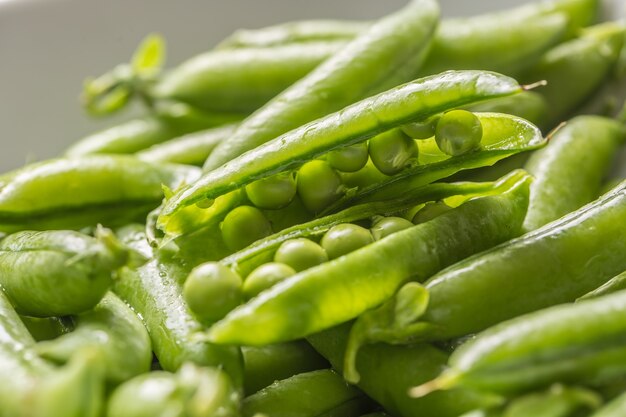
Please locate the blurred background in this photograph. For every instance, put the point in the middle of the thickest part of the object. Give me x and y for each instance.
(48, 47)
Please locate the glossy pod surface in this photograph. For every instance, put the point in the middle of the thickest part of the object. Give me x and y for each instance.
(79, 192)
(554, 264)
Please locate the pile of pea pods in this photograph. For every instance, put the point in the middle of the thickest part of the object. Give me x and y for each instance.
(407, 217)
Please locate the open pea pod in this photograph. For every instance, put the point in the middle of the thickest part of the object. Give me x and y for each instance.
(262, 251)
(503, 136)
(72, 193)
(356, 123)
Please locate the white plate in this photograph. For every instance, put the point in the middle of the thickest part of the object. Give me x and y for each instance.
(47, 48)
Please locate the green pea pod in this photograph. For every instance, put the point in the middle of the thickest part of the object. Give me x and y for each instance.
(615, 408)
(262, 251)
(540, 348)
(296, 32)
(575, 69)
(191, 149)
(376, 271)
(114, 331)
(615, 284)
(570, 170)
(47, 328)
(557, 401)
(313, 394)
(58, 273)
(388, 371)
(555, 264)
(191, 392)
(264, 365)
(72, 193)
(35, 383)
(506, 42)
(154, 292)
(241, 80)
(137, 134)
(503, 136)
(356, 123)
(385, 55)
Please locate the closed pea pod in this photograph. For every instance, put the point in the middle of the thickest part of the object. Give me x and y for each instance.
(138, 134)
(539, 348)
(615, 284)
(266, 364)
(570, 170)
(70, 271)
(373, 280)
(113, 331)
(72, 193)
(385, 55)
(191, 149)
(311, 394)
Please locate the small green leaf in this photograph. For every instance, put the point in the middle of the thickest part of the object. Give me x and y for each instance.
(149, 56)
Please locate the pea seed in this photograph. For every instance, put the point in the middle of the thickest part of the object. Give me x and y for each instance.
(458, 132)
(389, 225)
(264, 277)
(345, 238)
(300, 254)
(392, 151)
(272, 193)
(244, 225)
(349, 158)
(319, 185)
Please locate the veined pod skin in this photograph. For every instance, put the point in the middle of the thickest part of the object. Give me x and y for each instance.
(137, 134)
(241, 80)
(191, 149)
(333, 297)
(112, 330)
(385, 55)
(72, 193)
(569, 171)
(555, 264)
(388, 371)
(154, 291)
(540, 348)
(266, 364)
(321, 393)
(415, 100)
(70, 271)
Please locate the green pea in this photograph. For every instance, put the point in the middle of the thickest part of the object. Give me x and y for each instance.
(345, 238)
(458, 132)
(300, 254)
(423, 129)
(274, 192)
(392, 151)
(349, 158)
(430, 211)
(211, 291)
(319, 185)
(244, 225)
(264, 277)
(389, 225)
